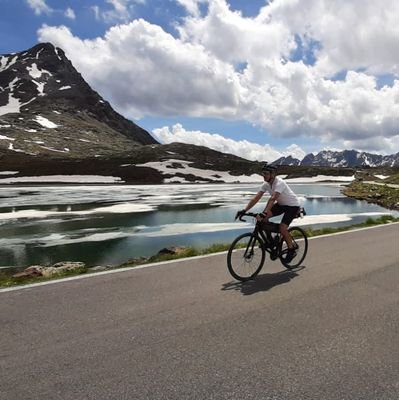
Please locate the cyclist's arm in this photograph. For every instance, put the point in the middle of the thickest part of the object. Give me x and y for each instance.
(273, 198)
(254, 200)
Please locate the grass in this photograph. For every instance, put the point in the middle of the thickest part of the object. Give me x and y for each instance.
(385, 219)
(383, 195)
(6, 280)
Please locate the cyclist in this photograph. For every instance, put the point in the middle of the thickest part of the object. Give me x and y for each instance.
(282, 201)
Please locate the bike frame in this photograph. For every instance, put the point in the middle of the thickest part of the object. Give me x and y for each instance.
(269, 243)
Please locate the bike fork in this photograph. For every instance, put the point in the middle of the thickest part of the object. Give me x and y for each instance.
(249, 251)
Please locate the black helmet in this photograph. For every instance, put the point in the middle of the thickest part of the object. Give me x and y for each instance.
(269, 168)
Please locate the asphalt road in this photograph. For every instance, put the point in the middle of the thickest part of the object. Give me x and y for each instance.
(187, 330)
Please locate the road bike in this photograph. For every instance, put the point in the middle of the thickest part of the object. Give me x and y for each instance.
(247, 253)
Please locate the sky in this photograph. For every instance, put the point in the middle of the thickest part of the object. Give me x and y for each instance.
(259, 79)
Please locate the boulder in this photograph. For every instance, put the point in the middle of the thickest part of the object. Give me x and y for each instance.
(48, 271)
(61, 267)
(32, 271)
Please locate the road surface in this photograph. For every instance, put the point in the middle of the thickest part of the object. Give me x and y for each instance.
(187, 330)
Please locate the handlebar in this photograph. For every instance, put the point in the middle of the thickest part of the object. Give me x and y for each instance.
(300, 214)
(249, 214)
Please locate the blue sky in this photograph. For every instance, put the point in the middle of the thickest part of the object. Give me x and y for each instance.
(253, 78)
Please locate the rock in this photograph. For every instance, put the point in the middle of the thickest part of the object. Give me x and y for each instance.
(69, 265)
(173, 250)
(32, 271)
(100, 268)
(60, 267)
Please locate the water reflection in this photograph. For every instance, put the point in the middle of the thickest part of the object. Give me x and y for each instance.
(110, 224)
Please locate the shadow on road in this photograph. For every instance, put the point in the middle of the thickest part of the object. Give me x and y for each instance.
(262, 283)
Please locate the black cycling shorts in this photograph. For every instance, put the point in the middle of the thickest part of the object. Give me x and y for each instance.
(290, 212)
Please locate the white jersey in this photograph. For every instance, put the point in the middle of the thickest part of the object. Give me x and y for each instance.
(287, 196)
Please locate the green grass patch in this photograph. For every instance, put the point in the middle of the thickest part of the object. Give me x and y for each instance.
(7, 280)
(384, 219)
(382, 195)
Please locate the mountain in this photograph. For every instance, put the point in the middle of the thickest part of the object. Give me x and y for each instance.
(350, 159)
(287, 161)
(52, 123)
(47, 108)
(341, 159)
(150, 164)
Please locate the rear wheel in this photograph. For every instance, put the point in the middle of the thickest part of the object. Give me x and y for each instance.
(245, 257)
(300, 242)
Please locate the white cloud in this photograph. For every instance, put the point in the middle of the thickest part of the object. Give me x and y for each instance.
(118, 10)
(96, 11)
(241, 148)
(143, 70)
(191, 6)
(224, 65)
(70, 13)
(233, 38)
(39, 6)
(353, 34)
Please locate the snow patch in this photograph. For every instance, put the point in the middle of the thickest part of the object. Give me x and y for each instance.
(65, 88)
(166, 167)
(2, 137)
(45, 122)
(53, 149)
(64, 179)
(321, 178)
(4, 62)
(35, 72)
(114, 209)
(40, 87)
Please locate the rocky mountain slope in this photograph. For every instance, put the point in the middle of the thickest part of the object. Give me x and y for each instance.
(47, 108)
(151, 164)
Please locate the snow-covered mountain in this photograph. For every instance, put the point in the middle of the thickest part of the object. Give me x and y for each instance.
(291, 161)
(346, 158)
(47, 108)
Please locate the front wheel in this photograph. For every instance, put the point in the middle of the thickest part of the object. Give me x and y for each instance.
(245, 257)
(300, 242)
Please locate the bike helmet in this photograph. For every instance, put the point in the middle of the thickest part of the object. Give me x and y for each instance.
(269, 168)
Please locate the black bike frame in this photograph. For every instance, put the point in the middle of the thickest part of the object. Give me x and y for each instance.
(269, 243)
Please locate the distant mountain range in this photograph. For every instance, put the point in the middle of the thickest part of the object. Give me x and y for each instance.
(52, 122)
(342, 159)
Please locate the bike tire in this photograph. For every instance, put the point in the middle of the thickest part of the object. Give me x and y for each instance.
(241, 265)
(300, 241)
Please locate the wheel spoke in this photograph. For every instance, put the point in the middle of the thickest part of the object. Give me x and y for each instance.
(245, 257)
(300, 242)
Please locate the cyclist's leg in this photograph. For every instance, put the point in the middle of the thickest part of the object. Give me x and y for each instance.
(289, 214)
